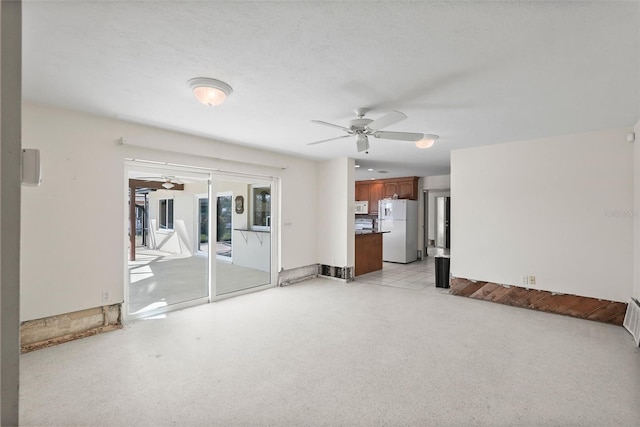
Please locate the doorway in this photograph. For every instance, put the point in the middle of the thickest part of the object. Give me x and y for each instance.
(443, 207)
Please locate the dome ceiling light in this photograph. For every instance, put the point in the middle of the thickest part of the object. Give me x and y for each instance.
(427, 141)
(209, 91)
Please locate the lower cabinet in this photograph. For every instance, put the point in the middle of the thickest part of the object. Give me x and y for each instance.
(368, 253)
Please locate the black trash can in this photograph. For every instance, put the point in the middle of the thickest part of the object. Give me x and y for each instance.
(442, 271)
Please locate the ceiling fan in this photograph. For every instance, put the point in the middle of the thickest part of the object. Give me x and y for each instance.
(168, 181)
(362, 128)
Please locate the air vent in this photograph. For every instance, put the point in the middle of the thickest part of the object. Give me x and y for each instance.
(383, 171)
(632, 320)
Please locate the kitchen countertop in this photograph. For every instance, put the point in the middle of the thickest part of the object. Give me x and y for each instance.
(370, 232)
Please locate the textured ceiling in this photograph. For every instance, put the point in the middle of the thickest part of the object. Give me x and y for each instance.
(475, 73)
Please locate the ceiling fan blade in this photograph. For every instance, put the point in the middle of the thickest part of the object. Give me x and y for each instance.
(320, 122)
(399, 136)
(387, 120)
(327, 140)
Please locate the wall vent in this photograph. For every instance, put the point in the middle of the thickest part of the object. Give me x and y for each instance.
(632, 320)
(342, 273)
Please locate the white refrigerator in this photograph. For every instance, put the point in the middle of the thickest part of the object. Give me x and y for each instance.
(399, 219)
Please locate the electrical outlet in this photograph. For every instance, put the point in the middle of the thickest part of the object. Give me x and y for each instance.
(105, 296)
(532, 280)
(524, 280)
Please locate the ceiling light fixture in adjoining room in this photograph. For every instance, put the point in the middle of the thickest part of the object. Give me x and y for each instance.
(209, 91)
(427, 141)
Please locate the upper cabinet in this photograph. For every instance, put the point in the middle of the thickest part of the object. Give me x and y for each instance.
(374, 195)
(408, 188)
(373, 191)
(362, 191)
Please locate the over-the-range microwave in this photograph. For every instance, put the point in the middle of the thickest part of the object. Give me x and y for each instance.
(362, 207)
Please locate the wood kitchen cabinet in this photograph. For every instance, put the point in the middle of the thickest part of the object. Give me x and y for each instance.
(408, 188)
(373, 191)
(375, 194)
(362, 191)
(368, 251)
(391, 188)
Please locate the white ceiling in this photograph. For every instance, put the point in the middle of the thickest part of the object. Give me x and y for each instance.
(475, 73)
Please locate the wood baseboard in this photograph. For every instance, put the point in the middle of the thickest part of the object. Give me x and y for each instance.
(570, 305)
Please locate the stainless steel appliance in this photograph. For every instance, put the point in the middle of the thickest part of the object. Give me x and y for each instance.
(399, 217)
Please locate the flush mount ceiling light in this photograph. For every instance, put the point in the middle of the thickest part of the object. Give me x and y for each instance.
(209, 91)
(427, 141)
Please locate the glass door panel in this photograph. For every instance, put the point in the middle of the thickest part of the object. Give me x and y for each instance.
(244, 221)
(170, 264)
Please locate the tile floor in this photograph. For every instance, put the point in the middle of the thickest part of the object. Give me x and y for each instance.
(398, 352)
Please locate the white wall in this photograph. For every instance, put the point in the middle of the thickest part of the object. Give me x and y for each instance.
(636, 211)
(181, 240)
(558, 208)
(436, 182)
(335, 225)
(73, 225)
(237, 189)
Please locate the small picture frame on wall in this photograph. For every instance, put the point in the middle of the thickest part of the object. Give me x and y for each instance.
(239, 204)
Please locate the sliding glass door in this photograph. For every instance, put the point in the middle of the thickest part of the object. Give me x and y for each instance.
(195, 237)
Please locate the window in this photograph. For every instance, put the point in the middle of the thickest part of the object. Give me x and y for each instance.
(165, 214)
(261, 208)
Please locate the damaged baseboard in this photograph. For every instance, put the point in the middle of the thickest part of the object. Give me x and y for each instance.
(53, 330)
(534, 299)
(295, 275)
(332, 272)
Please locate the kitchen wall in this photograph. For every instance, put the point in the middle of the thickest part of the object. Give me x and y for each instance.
(336, 198)
(559, 208)
(74, 225)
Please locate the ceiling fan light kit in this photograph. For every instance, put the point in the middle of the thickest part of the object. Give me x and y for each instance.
(168, 185)
(209, 91)
(363, 143)
(427, 141)
(362, 127)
